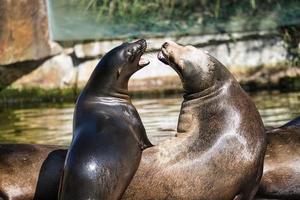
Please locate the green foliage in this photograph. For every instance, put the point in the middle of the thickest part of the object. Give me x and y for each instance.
(170, 12)
(12, 96)
(291, 36)
(132, 18)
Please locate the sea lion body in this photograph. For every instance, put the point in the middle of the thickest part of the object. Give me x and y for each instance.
(294, 122)
(30, 171)
(219, 149)
(281, 178)
(108, 136)
(33, 171)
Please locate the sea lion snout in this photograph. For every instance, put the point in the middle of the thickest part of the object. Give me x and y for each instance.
(142, 43)
(139, 46)
(169, 52)
(165, 45)
(177, 55)
(195, 67)
(134, 52)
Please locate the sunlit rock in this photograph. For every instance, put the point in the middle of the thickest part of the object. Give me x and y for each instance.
(155, 76)
(154, 44)
(250, 53)
(24, 31)
(155, 69)
(94, 49)
(85, 70)
(57, 72)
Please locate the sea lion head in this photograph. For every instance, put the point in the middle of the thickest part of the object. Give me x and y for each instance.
(127, 58)
(118, 65)
(197, 69)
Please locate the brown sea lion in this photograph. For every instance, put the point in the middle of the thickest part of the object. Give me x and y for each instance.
(33, 171)
(30, 171)
(219, 149)
(281, 177)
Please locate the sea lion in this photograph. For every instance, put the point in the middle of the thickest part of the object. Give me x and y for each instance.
(33, 171)
(281, 177)
(108, 134)
(220, 145)
(294, 122)
(144, 172)
(30, 171)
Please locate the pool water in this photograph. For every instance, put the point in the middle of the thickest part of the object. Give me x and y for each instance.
(52, 124)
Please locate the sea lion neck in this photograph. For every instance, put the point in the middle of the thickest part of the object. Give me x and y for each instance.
(200, 103)
(202, 76)
(105, 81)
(205, 94)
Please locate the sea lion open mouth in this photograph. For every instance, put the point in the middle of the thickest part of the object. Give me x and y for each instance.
(138, 52)
(163, 54)
(143, 62)
(162, 58)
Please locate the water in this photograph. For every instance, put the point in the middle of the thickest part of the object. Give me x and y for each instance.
(52, 124)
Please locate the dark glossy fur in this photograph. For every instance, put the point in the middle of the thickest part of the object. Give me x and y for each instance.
(108, 135)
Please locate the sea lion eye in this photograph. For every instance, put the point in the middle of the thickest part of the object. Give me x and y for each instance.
(129, 52)
(130, 55)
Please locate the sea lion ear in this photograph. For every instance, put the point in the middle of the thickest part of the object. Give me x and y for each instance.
(118, 72)
(181, 63)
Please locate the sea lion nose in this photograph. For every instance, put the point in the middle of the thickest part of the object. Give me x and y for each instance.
(135, 48)
(141, 43)
(165, 45)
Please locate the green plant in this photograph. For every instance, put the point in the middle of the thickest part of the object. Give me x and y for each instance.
(180, 17)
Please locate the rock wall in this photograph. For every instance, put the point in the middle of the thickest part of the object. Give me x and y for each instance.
(74, 65)
(24, 31)
(56, 72)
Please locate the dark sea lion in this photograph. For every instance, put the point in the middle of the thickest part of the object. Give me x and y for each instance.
(30, 171)
(108, 134)
(294, 122)
(219, 149)
(281, 177)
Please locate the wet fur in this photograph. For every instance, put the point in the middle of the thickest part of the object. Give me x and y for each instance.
(219, 149)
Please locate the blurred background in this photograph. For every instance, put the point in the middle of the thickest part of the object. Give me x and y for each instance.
(48, 50)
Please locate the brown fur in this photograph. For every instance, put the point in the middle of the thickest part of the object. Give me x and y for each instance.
(220, 147)
(30, 171)
(218, 153)
(281, 179)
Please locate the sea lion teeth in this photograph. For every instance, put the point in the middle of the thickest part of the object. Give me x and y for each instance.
(143, 62)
